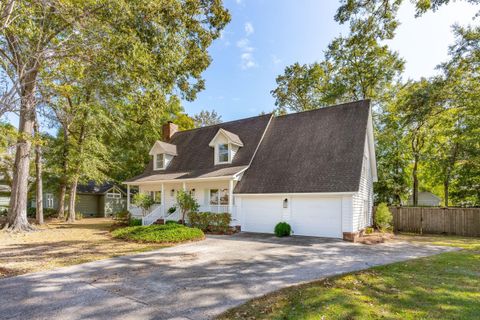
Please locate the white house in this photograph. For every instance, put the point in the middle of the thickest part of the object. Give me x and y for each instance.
(313, 169)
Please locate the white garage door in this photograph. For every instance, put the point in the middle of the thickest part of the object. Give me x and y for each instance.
(261, 214)
(317, 217)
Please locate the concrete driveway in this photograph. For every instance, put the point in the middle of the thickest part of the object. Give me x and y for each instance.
(190, 281)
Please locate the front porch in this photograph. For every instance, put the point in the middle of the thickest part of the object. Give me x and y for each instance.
(212, 196)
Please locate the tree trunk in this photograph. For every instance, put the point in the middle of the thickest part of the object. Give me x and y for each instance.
(415, 181)
(17, 214)
(38, 175)
(63, 186)
(61, 201)
(446, 185)
(71, 206)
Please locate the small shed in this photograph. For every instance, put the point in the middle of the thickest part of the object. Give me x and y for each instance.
(100, 200)
(426, 199)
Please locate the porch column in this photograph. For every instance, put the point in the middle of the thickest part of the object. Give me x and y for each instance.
(128, 197)
(184, 186)
(230, 196)
(163, 200)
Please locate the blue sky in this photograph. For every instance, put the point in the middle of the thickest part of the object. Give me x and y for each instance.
(265, 36)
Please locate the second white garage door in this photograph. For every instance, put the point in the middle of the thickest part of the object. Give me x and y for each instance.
(317, 217)
(308, 216)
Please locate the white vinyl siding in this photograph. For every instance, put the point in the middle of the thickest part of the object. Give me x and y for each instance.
(362, 200)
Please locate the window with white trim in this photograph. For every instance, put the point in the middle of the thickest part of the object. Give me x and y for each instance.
(159, 162)
(114, 194)
(49, 200)
(218, 197)
(223, 153)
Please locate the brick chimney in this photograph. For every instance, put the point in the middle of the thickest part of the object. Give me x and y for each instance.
(168, 130)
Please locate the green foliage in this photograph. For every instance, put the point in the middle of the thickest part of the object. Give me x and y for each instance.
(172, 210)
(283, 229)
(122, 215)
(369, 230)
(355, 67)
(47, 212)
(78, 215)
(186, 203)
(171, 222)
(166, 233)
(143, 201)
(383, 217)
(206, 118)
(134, 222)
(209, 221)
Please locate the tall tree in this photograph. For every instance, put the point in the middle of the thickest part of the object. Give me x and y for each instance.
(207, 118)
(355, 67)
(38, 173)
(164, 43)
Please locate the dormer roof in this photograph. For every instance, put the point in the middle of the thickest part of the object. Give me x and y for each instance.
(163, 147)
(230, 136)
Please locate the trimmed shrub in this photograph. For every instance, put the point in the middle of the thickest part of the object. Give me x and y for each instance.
(164, 233)
(134, 222)
(209, 221)
(171, 222)
(121, 215)
(47, 212)
(383, 217)
(283, 229)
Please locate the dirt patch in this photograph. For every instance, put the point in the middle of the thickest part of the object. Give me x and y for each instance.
(59, 244)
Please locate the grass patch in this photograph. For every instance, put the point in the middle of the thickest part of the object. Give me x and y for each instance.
(167, 233)
(445, 286)
(58, 244)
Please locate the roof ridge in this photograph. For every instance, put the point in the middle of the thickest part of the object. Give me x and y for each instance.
(323, 108)
(222, 123)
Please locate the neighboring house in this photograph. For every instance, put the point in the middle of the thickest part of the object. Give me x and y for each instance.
(93, 200)
(425, 199)
(4, 196)
(313, 169)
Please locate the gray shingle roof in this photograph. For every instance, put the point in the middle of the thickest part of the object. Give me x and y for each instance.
(313, 151)
(195, 156)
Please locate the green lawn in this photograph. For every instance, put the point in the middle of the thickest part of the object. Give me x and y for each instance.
(445, 286)
(167, 233)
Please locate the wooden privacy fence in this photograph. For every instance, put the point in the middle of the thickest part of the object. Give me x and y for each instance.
(454, 221)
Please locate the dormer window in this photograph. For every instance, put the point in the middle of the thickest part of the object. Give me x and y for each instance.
(223, 153)
(163, 153)
(226, 145)
(159, 161)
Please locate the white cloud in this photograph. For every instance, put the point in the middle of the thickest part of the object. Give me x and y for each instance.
(276, 60)
(247, 60)
(239, 1)
(249, 28)
(246, 56)
(244, 44)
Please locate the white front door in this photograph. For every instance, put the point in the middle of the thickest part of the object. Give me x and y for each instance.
(261, 214)
(320, 217)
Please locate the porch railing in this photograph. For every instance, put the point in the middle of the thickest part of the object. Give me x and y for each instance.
(154, 215)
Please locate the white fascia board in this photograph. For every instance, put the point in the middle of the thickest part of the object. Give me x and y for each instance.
(297, 194)
(136, 183)
(371, 147)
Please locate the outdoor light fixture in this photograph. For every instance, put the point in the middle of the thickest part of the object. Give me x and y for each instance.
(192, 192)
(285, 203)
(172, 192)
